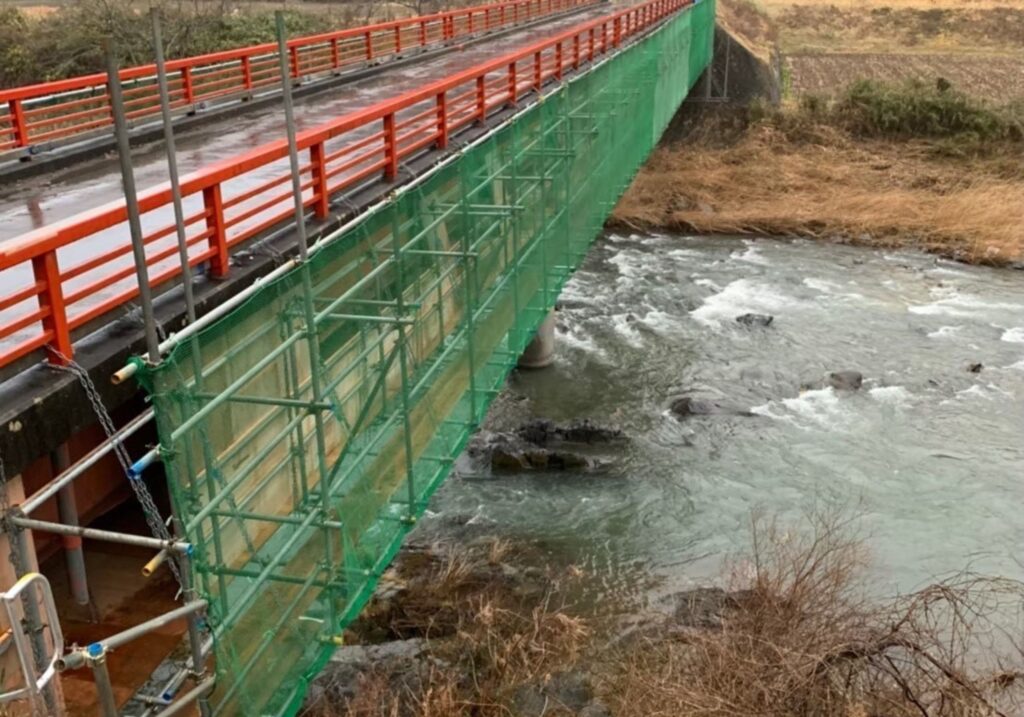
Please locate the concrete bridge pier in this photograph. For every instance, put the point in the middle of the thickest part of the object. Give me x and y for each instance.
(541, 351)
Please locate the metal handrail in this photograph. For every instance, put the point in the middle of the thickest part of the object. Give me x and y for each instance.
(409, 124)
(36, 677)
(71, 108)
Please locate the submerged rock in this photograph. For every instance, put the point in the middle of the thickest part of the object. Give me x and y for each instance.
(755, 319)
(975, 367)
(543, 432)
(563, 691)
(838, 380)
(691, 406)
(542, 444)
(845, 380)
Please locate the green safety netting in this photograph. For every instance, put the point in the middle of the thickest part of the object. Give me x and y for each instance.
(297, 461)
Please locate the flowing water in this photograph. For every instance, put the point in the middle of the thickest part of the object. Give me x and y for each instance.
(927, 455)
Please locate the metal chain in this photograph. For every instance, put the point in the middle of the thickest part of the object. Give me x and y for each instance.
(153, 519)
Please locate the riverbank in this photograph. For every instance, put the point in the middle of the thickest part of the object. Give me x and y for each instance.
(816, 168)
(487, 626)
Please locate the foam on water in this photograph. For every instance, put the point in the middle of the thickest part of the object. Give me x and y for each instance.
(825, 287)
(752, 255)
(896, 395)
(944, 332)
(962, 305)
(1014, 335)
(625, 326)
(742, 296)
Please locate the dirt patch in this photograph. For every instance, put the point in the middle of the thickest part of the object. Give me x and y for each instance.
(993, 78)
(827, 28)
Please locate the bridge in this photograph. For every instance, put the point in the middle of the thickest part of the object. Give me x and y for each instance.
(339, 306)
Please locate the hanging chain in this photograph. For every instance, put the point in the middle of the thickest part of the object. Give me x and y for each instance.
(153, 519)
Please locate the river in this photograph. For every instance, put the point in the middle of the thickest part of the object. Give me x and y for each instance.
(925, 458)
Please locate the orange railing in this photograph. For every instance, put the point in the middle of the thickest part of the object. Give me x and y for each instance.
(79, 269)
(71, 109)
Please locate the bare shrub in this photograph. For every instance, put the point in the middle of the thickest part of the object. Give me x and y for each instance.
(799, 638)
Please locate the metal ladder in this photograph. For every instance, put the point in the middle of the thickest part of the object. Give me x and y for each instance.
(19, 603)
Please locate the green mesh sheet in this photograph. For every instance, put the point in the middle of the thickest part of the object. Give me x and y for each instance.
(297, 461)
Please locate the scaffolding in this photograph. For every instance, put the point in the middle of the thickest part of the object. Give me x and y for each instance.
(303, 431)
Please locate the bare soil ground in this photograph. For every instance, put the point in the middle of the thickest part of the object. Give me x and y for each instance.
(941, 27)
(978, 45)
(992, 78)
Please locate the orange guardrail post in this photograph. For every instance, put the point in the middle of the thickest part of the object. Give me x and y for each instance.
(481, 98)
(187, 90)
(321, 193)
(390, 147)
(513, 85)
(18, 123)
(617, 32)
(398, 40)
(442, 120)
(558, 61)
(51, 300)
(214, 203)
(335, 55)
(247, 73)
(538, 71)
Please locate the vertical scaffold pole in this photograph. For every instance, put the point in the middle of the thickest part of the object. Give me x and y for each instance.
(209, 463)
(403, 357)
(131, 201)
(172, 167)
(469, 279)
(67, 509)
(307, 301)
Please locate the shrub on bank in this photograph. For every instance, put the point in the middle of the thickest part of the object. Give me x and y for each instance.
(919, 109)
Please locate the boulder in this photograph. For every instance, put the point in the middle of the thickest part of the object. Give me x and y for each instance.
(692, 406)
(845, 380)
(543, 432)
(563, 691)
(755, 319)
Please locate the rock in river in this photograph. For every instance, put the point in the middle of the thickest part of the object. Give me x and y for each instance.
(541, 444)
(692, 406)
(755, 319)
(845, 380)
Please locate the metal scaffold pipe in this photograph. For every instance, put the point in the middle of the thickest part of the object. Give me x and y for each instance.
(131, 201)
(76, 658)
(91, 459)
(67, 509)
(95, 534)
(172, 168)
(310, 329)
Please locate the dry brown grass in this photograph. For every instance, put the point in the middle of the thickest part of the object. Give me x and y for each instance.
(799, 639)
(796, 636)
(492, 627)
(821, 182)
